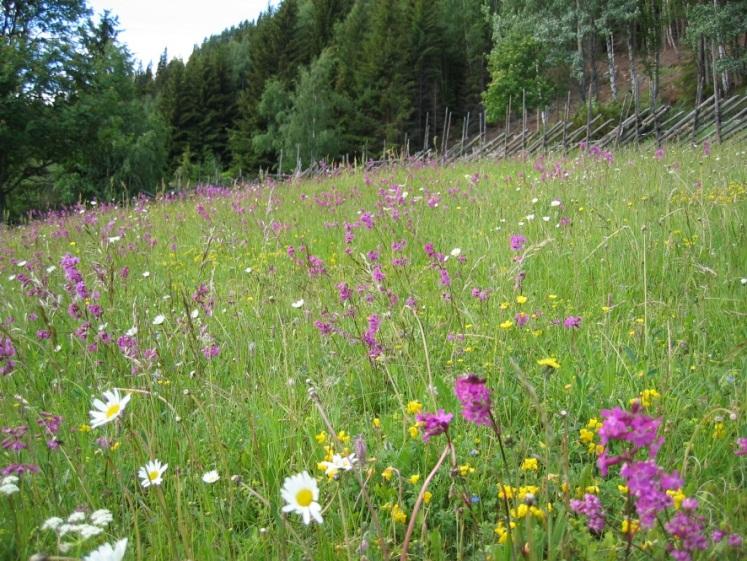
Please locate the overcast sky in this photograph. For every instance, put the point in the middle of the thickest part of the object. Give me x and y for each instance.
(149, 26)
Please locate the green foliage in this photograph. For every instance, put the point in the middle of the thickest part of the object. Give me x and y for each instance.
(313, 128)
(518, 69)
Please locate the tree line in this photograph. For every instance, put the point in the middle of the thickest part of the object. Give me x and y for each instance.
(318, 79)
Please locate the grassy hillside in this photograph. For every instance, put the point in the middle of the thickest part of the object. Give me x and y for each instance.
(247, 325)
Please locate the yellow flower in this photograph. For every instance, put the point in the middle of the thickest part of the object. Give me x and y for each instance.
(530, 464)
(592, 489)
(414, 478)
(414, 407)
(343, 437)
(388, 473)
(502, 532)
(629, 526)
(552, 296)
(115, 446)
(414, 431)
(549, 362)
(84, 428)
(465, 470)
(623, 489)
(508, 324)
(329, 452)
(505, 492)
(594, 424)
(537, 512)
(521, 299)
(525, 490)
(520, 511)
(427, 496)
(504, 305)
(376, 423)
(398, 515)
(719, 430)
(321, 438)
(677, 497)
(586, 436)
(606, 309)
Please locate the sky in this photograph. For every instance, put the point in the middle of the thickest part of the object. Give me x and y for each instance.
(149, 26)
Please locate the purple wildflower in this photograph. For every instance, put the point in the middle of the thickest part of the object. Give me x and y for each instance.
(343, 291)
(518, 242)
(591, 507)
(435, 423)
(445, 278)
(572, 322)
(20, 469)
(474, 395)
(734, 540)
(741, 447)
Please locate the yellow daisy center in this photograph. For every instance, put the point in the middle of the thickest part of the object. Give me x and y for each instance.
(112, 410)
(153, 475)
(304, 497)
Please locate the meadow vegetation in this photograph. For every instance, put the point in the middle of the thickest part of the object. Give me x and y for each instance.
(172, 367)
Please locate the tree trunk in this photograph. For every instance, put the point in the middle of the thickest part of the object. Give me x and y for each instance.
(634, 80)
(716, 105)
(611, 64)
(700, 61)
(580, 52)
(593, 48)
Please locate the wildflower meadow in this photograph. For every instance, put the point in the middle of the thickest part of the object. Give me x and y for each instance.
(536, 359)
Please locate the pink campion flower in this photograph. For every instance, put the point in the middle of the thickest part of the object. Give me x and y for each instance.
(591, 507)
(430, 251)
(648, 484)
(324, 328)
(343, 291)
(19, 469)
(211, 351)
(688, 529)
(734, 540)
(572, 322)
(372, 255)
(517, 242)
(434, 423)
(444, 277)
(7, 352)
(14, 440)
(367, 220)
(741, 447)
(474, 395)
(659, 154)
(378, 275)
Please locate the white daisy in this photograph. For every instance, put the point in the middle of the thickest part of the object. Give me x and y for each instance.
(301, 493)
(159, 319)
(338, 464)
(456, 252)
(107, 552)
(554, 203)
(211, 476)
(298, 303)
(108, 410)
(152, 473)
